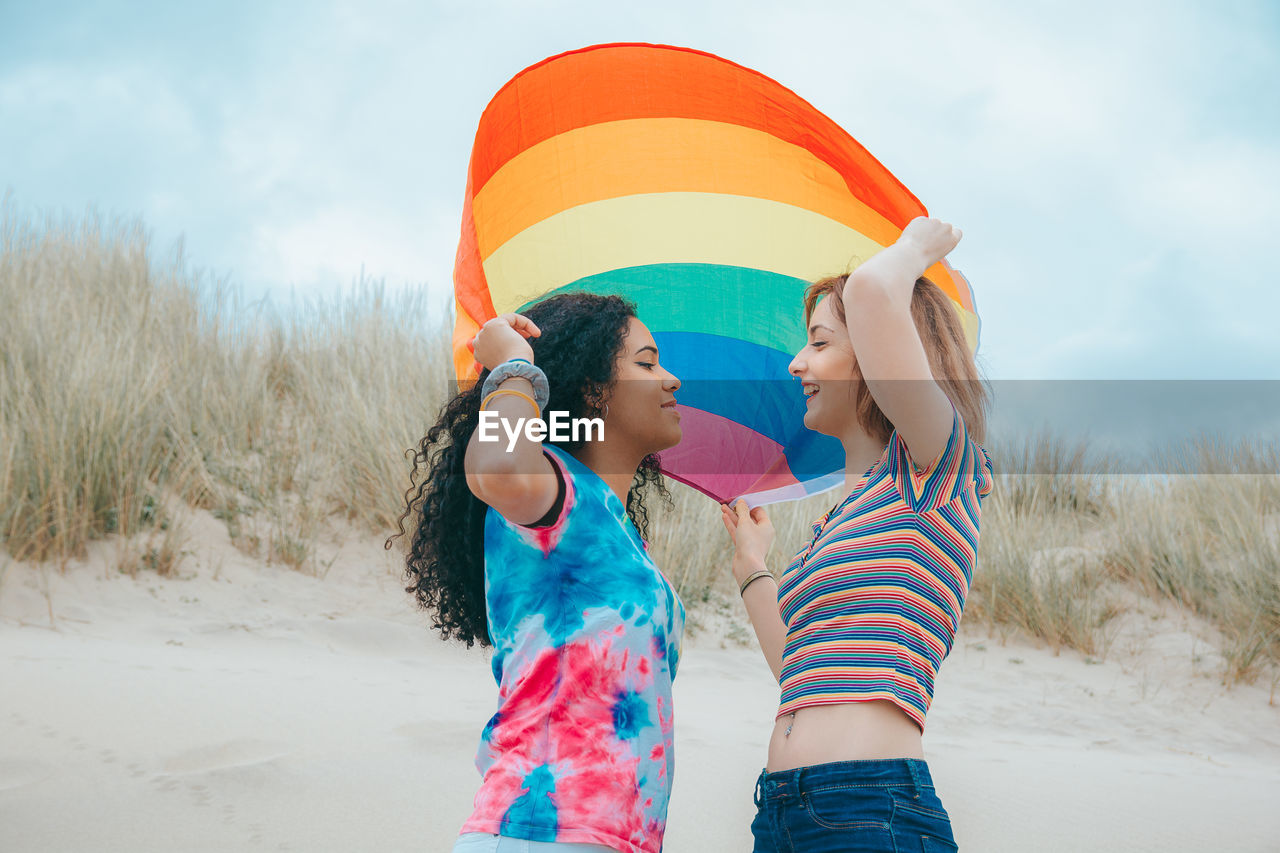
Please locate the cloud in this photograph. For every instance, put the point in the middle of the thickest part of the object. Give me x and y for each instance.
(92, 124)
(328, 248)
(1112, 169)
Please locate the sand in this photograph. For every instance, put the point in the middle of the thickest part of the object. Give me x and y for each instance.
(246, 706)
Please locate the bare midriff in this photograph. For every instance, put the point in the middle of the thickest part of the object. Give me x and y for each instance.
(849, 731)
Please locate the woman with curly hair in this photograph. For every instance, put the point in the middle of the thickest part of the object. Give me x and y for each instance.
(859, 622)
(536, 548)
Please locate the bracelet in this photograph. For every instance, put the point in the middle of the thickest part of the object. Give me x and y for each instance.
(521, 368)
(493, 394)
(752, 578)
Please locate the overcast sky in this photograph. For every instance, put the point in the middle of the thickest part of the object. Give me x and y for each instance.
(1115, 166)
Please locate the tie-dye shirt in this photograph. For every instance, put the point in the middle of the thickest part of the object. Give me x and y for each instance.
(586, 634)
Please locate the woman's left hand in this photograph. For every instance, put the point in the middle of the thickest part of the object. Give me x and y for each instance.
(752, 534)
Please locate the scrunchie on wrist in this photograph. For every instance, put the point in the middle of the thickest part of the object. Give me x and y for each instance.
(522, 369)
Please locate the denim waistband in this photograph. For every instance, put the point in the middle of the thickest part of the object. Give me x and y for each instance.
(873, 773)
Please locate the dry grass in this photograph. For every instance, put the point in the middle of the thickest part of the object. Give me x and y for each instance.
(1211, 544)
(126, 383)
(123, 379)
(1033, 576)
(1034, 573)
(691, 545)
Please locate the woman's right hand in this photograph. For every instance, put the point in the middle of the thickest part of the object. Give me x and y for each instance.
(752, 534)
(931, 238)
(504, 338)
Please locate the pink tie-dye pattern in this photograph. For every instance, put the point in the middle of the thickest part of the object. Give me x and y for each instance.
(574, 687)
(582, 699)
(522, 726)
(601, 774)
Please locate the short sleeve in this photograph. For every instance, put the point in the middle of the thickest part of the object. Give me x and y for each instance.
(552, 515)
(962, 465)
(547, 533)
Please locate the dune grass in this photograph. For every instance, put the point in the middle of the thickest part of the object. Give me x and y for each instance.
(127, 383)
(1209, 543)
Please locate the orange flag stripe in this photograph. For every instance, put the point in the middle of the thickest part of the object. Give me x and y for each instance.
(607, 83)
(635, 156)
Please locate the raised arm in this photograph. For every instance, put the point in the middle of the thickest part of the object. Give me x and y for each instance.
(890, 354)
(518, 481)
(752, 535)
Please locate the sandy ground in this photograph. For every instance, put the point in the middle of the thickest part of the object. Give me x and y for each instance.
(241, 706)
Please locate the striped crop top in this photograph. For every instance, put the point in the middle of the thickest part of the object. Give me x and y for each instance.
(871, 604)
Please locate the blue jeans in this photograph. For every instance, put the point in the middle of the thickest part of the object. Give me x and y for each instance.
(881, 806)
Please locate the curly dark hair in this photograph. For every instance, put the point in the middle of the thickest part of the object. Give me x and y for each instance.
(582, 335)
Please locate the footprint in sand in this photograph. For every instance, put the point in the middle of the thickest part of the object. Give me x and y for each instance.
(16, 774)
(244, 752)
(200, 795)
(185, 770)
(164, 783)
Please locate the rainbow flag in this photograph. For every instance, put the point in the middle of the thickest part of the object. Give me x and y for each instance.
(710, 196)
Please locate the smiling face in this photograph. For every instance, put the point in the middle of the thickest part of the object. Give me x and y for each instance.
(825, 368)
(642, 409)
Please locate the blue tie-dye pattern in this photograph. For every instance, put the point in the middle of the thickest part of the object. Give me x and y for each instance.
(597, 585)
(490, 726)
(575, 576)
(630, 715)
(661, 650)
(533, 816)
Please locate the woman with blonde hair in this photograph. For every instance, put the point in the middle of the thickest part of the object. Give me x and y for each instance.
(858, 623)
